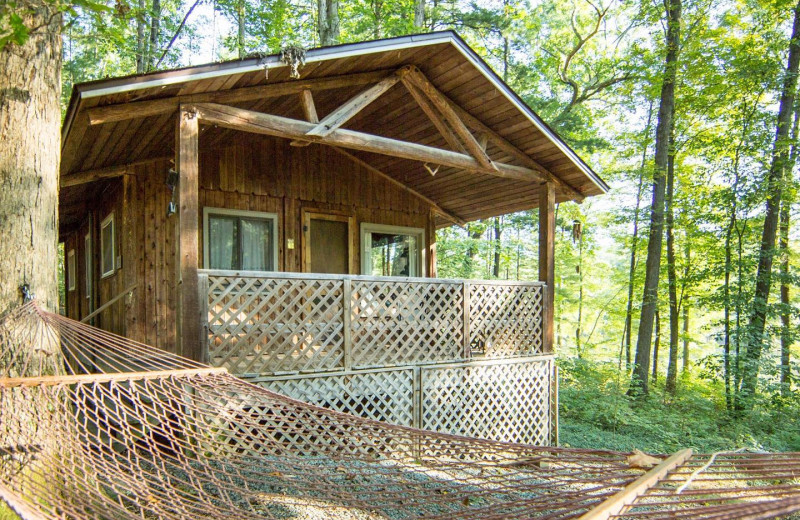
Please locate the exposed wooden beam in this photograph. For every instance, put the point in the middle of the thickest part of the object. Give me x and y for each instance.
(507, 147)
(309, 111)
(433, 204)
(250, 121)
(309, 108)
(136, 109)
(85, 177)
(440, 102)
(97, 174)
(355, 104)
(434, 116)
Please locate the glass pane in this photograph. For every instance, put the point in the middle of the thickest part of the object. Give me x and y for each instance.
(394, 255)
(256, 245)
(107, 244)
(223, 242)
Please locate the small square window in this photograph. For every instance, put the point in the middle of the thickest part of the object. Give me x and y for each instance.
(108, 247)
(71, 273)
(392, 250)
(240, 240)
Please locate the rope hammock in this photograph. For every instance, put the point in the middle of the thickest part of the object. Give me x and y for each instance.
(93, 425)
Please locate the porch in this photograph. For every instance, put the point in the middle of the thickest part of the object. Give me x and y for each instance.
(460, 356)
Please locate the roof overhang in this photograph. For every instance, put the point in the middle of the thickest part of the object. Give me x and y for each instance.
(449, 62)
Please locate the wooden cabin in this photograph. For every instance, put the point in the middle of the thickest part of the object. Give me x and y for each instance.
(277, 216)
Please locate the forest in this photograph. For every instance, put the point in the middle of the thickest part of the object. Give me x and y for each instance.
(677, 292)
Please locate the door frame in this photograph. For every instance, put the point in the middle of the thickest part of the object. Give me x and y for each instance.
(331, 215)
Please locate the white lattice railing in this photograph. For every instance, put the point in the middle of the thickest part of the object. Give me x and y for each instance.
(279, 323)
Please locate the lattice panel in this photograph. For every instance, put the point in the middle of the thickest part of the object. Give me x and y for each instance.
(384, 396)
(398, 323)
(506, 320)
(267, 325)
(505, 402)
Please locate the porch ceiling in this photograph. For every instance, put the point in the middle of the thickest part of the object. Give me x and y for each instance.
(449, 64)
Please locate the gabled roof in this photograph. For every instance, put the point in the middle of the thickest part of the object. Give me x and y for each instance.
(443, 57)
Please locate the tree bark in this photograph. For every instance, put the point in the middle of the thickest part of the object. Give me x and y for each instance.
(141, 39)
(30, 117)
(780, 157)
(497, 233)
(656, 345)
(155, 34)
(240, 20)
(672, 367)
(666, 111)
(635, 242)
(419, 15)
(328, 22)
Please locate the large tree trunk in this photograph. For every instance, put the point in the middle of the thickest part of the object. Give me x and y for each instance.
(328, 22)
(498, 231)
(656, 344)
(666, 111)
(240, 20)
(672, 367)
(30, 116)
(635, 242)
(780, 158)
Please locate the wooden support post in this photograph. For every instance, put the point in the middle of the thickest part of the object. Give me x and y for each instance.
(187, 234)
(547, 229)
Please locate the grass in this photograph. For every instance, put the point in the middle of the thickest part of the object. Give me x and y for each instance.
(596, 413)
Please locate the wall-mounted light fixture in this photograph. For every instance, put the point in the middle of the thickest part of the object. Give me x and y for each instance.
(172, 182)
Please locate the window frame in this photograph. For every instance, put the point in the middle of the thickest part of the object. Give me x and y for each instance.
(72, 271)
(366, 245)
(87, 268)
(209, 211)
(109, 220)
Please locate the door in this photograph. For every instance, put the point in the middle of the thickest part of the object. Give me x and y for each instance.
(328, 240)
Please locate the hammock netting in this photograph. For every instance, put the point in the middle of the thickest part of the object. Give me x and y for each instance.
(93, 425)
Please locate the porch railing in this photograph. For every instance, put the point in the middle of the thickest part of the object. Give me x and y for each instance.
(282, 323)
(458, 356)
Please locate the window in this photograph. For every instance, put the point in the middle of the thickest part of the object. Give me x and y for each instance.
(87, 260)
(71, 274)
(240, 240)
(392, 250)
(108, 248)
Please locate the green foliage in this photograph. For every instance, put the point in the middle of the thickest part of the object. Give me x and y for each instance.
(596, 413)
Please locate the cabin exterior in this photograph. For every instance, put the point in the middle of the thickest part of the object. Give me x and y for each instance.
(285, 227)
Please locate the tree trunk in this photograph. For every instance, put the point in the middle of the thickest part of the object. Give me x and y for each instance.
(328, 22)
(635, 242)
(666, 111)
(672, 367)
(30, 116)
(155, 34)
(656, 345)
(141, 38)
(497, 233)
(419, 15)
(240, 21)
(578, 329)
(780, 156)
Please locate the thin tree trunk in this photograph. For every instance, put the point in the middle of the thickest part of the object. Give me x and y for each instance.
(787, 338)
(155, 34)
(685, 304)
(780, 156)
(333, 22)
(635, 241)
(666, 111)
(322, 22)
(497, 233)
(656, 345)
(141, 38)
(578, 329)
(672, 278)
(419, 15)
(240, 20)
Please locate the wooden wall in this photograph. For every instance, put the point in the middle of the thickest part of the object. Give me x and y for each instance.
(254, 173)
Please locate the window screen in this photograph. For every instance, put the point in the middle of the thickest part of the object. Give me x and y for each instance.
(240, 242)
